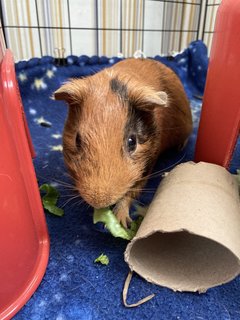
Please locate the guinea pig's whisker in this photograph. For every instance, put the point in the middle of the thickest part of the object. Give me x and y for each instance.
(77, 204)
(71, 177)
(69, 200)
(82, 203)
(86, 205)
(68, 175)
(152, 175)
(68, 195)
(158, 173)
(139, 202)
(67, 186)
(143, 191)
(64, 184)
(60, 182)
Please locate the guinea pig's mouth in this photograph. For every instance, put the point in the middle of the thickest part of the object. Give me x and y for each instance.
(102, 205)
(112, 207)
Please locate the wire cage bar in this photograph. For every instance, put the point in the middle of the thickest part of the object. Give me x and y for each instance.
(105, 27)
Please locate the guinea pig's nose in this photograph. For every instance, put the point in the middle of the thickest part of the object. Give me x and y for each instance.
(101, 203)
(99, 200)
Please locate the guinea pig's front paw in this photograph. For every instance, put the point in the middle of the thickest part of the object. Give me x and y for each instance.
(123, 218)
(121, 211)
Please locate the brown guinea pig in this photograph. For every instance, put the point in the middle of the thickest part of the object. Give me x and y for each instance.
(119, 121)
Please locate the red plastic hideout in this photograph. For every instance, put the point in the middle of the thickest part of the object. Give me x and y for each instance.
(220, 118)
(24, 242)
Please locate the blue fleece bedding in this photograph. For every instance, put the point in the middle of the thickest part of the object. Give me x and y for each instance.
(73, 286)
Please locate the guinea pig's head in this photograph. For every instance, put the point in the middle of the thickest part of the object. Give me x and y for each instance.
(110, 135)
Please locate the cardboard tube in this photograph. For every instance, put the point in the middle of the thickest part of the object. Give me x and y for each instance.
(189, 239)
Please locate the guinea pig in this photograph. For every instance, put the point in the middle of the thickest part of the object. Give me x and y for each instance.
(119, 121)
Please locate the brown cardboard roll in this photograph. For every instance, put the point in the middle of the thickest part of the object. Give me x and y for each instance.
(189, 239)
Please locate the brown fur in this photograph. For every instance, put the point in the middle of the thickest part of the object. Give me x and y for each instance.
(104, 172)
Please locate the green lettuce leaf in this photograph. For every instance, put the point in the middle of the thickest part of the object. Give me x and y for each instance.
(103, 259)
(49, 200)
(111, 223)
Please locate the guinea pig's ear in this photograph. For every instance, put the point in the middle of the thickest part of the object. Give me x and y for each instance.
(156, 97)
(72, 91)
(147, 97)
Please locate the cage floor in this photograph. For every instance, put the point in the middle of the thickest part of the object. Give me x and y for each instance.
(73, 286)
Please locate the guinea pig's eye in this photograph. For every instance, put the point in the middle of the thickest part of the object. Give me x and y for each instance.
(131, 143)
(78, 141)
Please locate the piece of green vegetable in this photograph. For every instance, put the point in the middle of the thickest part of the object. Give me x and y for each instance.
(49, 200)
(111, 223)
(109, 219)
(135, 225)
(103, 259)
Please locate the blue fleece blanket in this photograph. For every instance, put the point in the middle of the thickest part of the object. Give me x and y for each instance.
(73, 286)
